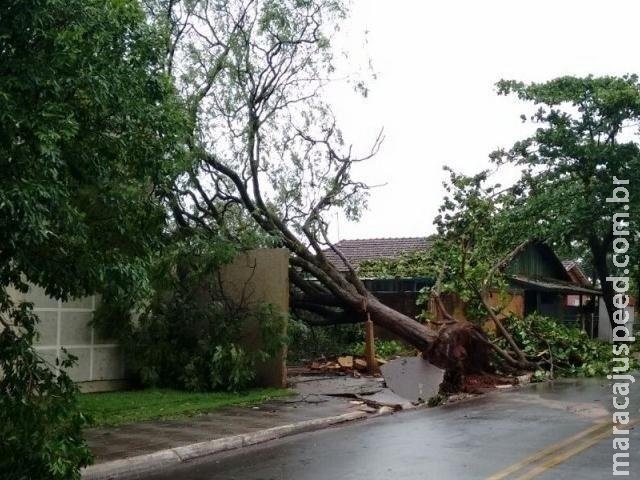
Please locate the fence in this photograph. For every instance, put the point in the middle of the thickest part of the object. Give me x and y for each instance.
(67, 325)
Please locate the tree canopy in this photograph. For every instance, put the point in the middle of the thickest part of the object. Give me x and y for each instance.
(587, 136)
(89, 140)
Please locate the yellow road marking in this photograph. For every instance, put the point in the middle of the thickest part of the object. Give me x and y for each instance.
(596, 429)
(564, 456)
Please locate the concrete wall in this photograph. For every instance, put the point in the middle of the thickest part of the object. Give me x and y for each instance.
(100, 364)
(604, 325)
(261, 276)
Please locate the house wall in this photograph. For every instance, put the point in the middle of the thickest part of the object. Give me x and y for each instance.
(538, 261)
(604, 325)
(513, 304)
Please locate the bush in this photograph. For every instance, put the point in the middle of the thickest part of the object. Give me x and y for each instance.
(308, 343)
(385, 349)
(569, 350)
(192, 340)
(40, 424)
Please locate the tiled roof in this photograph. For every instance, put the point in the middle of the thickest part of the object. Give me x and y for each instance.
(576, 273)
(357, 251)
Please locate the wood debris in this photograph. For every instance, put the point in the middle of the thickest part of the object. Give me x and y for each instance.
(343, 364)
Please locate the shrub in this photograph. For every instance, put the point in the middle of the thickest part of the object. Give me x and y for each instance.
(40, 424)
(191, 339)
(384, 348)
(568, 350)
(307, 343)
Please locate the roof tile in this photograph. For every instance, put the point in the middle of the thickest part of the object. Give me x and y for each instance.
(358, 250)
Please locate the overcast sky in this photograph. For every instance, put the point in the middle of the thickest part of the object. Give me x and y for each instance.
(436, 64)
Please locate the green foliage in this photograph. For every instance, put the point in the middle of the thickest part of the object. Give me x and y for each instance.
(437, 400)
(88, 124)
(191, 336)
(568, 349)
(185, 343)
(385, 349)
(116, 408)
(90, 140)
(308, 343)
(40, 424)
(407, 265)
(477, 229)
(179, 329)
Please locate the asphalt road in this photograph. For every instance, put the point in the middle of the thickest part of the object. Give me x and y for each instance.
(553, 431)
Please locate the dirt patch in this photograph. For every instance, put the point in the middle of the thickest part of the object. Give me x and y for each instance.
(480, 383)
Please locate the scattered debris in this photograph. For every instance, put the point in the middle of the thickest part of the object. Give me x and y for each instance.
(386, 398)
(308, 398)
(347, 364)
(524, 379)
(367, 409)
(459, 396)
(384, 409)
(413, 378)
(405, 383)
(360, 364)
(482, 383)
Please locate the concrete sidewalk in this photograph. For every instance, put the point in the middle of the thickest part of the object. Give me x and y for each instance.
(132, 450)
(129, 440)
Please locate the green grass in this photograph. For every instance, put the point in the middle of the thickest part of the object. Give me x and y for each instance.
(116, 408)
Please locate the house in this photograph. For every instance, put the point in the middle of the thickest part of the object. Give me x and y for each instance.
(578, 277)
(538, 282)
(553, 288)
(398, 293)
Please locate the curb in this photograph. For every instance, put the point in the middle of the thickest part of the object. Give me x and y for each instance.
(135, 467)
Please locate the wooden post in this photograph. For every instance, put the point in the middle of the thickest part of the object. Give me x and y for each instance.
(369, 346)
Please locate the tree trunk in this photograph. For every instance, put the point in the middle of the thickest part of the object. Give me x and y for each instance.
(460, 346)
(411, 331)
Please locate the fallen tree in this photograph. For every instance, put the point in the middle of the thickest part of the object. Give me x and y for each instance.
(479, 234)
(265, 144)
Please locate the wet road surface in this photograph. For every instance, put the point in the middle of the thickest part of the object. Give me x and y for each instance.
(551, 431)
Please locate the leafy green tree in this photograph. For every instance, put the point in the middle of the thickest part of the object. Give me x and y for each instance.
(480, 230)
(586, 138)
(90, 136)
(88, 128)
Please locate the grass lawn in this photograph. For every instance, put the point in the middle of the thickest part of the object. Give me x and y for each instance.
(115, 408)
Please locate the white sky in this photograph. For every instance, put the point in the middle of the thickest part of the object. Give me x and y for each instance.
(436, 64)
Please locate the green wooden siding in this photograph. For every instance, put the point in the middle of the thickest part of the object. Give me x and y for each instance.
(537, 261)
